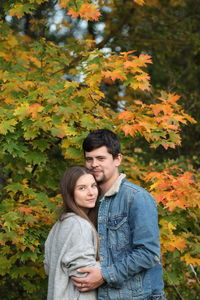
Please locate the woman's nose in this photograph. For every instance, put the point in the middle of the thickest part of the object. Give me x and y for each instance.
(90, 191)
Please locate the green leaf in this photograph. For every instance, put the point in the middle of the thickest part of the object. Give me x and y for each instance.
(7, 125)
(36, 157)
(41, 144)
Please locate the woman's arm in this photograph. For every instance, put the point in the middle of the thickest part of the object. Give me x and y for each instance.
(80, 248)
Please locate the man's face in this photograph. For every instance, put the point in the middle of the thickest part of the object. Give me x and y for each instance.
(102, 164)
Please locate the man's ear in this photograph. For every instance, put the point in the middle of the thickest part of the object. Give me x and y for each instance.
(118, 160)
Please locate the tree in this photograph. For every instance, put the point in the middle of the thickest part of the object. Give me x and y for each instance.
(51, 95)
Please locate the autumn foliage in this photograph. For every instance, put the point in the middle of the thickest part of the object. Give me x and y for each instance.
(51, 96)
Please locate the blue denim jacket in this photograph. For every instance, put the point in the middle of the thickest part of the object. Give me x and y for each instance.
(129, 244)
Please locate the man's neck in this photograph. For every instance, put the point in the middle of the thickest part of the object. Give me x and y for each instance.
(107, 185)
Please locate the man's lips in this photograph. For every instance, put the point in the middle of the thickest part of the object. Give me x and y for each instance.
(96, 171)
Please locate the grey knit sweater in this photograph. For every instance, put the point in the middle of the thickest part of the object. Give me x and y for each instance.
(71, 244)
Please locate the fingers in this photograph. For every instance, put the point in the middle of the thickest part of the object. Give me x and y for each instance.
(84, 290)
(78, 280)
(84, 270)
(80, 283)
(83, 287)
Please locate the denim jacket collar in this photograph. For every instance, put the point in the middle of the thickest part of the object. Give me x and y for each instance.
(116, 185)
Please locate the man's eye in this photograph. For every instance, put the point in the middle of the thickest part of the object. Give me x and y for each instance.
(88, 159)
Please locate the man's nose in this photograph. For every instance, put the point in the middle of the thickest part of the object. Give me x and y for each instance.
(94, 163)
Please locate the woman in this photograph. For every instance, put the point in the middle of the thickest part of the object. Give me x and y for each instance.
(72, 241)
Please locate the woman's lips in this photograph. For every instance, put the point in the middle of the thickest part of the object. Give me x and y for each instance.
(91, 200)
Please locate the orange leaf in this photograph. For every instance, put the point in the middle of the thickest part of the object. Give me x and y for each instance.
(140, 2)
(116, 74)
(130, 129)
(129, 64)
(142, 77)
(89, 12)
(73, 13)
(171, 205)
(126, 115)
(179, 243)
(145, 58)
(26, 210)
(34, 109)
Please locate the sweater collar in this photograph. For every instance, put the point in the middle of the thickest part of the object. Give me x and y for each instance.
(116, 185)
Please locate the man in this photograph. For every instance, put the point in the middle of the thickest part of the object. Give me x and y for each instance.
(128, 229)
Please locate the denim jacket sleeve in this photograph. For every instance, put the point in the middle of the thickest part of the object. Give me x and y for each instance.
(144, 237)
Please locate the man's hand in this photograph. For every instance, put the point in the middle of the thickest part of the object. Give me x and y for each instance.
(93, 280)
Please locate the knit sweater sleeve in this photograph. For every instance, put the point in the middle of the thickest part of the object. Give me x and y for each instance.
(80, 248)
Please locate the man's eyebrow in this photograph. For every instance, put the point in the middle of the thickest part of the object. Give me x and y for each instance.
(98, 156)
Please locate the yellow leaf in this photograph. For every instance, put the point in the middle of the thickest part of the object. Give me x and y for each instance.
(63, 3)
(17, 10)
(191, 260)
(70, 84)
(12, 41)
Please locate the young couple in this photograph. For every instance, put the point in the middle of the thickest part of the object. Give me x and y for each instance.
(121, 261)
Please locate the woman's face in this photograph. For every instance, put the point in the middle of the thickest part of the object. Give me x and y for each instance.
(86, 192)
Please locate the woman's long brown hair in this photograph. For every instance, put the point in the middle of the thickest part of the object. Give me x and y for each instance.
(68, 183)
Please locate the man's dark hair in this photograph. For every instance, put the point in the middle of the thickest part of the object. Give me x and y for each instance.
(102, 137)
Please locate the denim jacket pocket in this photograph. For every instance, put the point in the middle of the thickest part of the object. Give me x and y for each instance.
(118, 232)
(160, 296)
(135, 285)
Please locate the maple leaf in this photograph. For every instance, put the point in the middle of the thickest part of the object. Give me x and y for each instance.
(142, 77)
(17, 10)
(140, 2)
(34, 157)
(129, 64)
(7, 125)
(170, 98)
(145, 59)
(26, 210)
(59, 132)
(34, 109)
(23, 248)
(126, 115)
(140, 85)
(173, 127)
(89, 12)
(178, 243)
(63, 3)
(12, 42)
(73, 13)
(116, 74)
(129, 129)
(191, 260)
(171, 205)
